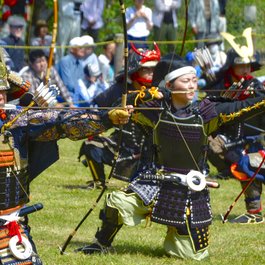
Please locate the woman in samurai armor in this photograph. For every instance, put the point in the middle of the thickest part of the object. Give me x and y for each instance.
(235, 81)
(28, 146)
(99, 150)
(173, 189)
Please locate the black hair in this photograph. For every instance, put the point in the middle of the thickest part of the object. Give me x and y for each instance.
(108, 39)
(36, 54)
(40, 24)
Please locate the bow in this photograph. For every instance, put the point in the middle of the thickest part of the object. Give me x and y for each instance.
(116, 154)
(54, 35)
(186, 28)
(124, 90)
(42, 94)
(242, 191)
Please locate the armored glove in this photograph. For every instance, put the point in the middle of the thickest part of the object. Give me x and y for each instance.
(119, 116)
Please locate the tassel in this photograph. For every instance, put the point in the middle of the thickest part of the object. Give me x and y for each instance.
(13, 229)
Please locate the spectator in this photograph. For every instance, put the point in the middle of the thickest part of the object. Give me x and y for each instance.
(70, 67)
(106, 61)
(19, 8)
(90, 86)
(36, 74)
(69, 23)
(204, 18)
(165, 21)
(90, 58)
(139, 23)
(213, 44)
(42, 36)
(17, 55)
(92, 21)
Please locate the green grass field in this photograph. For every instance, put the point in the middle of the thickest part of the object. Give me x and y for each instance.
(62, 190)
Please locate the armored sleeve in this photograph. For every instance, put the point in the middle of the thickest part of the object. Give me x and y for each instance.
(231, 112)
(47, 125)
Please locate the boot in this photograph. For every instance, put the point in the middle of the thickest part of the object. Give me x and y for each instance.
(106, 234)
(248, 219)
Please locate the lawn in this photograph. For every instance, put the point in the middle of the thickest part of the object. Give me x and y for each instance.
(62, 190)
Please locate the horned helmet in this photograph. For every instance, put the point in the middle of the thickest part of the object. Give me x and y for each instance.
(142, 58)
(241, 54)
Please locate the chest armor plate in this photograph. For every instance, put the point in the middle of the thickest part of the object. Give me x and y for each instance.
(179, 142)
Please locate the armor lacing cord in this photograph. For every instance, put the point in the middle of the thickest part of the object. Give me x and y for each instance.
(13, 173)
(185, 142)
(145, 94)
(13, 229)
(188, 211)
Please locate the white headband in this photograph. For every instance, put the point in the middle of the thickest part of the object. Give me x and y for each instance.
(179, 72)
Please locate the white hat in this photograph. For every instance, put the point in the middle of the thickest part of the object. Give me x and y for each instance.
(87, 40)
(93, 70)
(16, 21)
(76, 41)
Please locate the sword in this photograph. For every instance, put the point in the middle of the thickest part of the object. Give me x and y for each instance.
(195, 180)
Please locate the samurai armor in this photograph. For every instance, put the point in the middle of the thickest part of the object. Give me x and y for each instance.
(14, 188)
(6, 256)
(173, 152)
(172, 202)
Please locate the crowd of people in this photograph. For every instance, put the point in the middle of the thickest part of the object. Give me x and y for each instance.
(80, 22)
(169, 184)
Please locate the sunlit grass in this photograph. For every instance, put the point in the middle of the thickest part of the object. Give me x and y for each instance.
(61, 189)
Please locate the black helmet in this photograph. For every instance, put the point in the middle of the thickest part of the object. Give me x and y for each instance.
(233, 58)
(241, 54)
(140, 58)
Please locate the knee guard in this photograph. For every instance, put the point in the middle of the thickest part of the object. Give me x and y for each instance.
(110, 226)
(97, 170)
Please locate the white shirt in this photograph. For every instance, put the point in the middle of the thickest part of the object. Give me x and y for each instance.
(139, 26)
(92, 12)
(87, 94)
(106, 69)
(90, 59)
